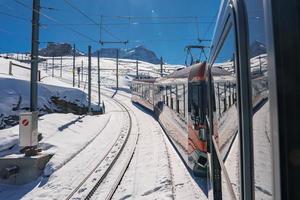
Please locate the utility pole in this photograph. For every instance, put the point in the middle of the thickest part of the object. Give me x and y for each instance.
(117, 72)
(89, 78)
(78, 74)
(161, 66)
(61, 66)
(46, 66)
(137, 69)
(28, 123)
(98, 65)
(74, 54)
(52, 66)
(81, 70)
(34, 55)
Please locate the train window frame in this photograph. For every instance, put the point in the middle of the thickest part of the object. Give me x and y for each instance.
(201, 102)
(233, 15)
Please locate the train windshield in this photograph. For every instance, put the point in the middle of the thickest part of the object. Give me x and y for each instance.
(197, 103)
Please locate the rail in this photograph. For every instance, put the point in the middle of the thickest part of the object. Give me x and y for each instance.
(111, 164)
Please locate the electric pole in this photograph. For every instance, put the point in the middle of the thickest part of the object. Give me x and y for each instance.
(137, 69)
(74, 54)
(81, 70)
(34, 55)
(117, 72)
(52, 66)
(161, 66)
(98, 65)
(78, 74)
(89, 78)
(61, 66)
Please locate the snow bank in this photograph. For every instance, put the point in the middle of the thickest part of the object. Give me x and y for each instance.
(64, 135)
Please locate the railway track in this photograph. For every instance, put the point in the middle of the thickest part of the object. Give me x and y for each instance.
(98, 175)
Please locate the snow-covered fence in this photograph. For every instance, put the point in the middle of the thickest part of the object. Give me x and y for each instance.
(11, 64)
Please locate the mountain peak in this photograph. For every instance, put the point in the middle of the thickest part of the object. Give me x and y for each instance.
(137, 53)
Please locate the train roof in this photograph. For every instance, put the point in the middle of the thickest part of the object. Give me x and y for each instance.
(181, 73)
(197, 72)
(148, 80)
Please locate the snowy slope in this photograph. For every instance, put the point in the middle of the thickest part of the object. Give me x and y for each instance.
(15, 95)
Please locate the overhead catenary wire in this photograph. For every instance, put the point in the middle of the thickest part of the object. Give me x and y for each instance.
(131, 23)
(155, 17)
(89, 18)
(15, 16)
(57, 22)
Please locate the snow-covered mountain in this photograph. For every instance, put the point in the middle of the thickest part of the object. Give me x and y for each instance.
(137, 53)
(257, 48)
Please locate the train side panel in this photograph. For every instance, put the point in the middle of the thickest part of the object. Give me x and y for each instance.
(142, 93)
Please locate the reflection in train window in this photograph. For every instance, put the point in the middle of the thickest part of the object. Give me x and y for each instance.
(226, 113)
(260, 95)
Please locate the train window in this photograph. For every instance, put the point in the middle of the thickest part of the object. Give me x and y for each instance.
(197, 103)
(224, 78)
(171, 97)
(181, 99)
(177, 99)
(262, 146)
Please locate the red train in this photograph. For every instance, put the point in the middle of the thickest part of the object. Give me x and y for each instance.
(179, 102)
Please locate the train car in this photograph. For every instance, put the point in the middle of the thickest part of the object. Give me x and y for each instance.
(142, 92)
(178, 102)
(252, 113)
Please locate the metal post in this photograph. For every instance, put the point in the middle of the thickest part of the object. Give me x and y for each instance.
(176, 97)
(10, 68)
(117, 72)
(184, 100)
(161, 66)
(81, 70)
(34, 55)
(137, 69)
(52, 66)
(98, 66)
(61, 66)
(74, 54)
(39, 75)
(78, 74)
(89, 78)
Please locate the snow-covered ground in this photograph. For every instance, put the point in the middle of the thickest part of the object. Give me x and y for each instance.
(156, 171)
(79, 142)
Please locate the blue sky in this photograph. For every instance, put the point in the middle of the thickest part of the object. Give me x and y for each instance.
(155, 26)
